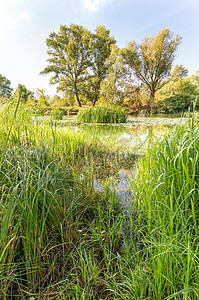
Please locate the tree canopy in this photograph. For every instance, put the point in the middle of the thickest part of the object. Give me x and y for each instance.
(5, 88)
(151, 61)
(24, 93)
(77, 60)
(69, 58)
(179, 83)
(42, 98)
(101, 46)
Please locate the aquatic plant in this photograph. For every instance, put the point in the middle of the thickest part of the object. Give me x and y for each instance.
(50, 214)
(62, 239)
(167, 191)
(56, 114)
(104, 114)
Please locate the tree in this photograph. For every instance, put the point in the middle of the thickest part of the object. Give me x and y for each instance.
(179, 72)
(112, 88)
(101, 48)
(5, 89)
(178, 84)
(151, 60)
(42, 98)
(24, 93)
(194, 79)
(69, 58)
(119, 86)
(66, 100)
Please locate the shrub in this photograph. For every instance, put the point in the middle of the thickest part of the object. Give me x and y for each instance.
(177, 103)
(103, 114)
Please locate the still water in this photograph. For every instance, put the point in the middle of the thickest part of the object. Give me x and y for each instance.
(134, 136)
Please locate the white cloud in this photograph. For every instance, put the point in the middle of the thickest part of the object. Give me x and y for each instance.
(94, 5)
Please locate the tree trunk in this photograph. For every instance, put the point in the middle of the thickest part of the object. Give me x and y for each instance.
(95, 100)
(77, 96)
(78, 101)
(152, 96)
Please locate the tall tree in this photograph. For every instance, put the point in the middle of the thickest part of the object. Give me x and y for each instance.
(69, 58)
(24, 93)
(151, 60)
(178, 84)
(179, 72)
(112, 88)
(101, 47)
(5, 89)
(42, 98)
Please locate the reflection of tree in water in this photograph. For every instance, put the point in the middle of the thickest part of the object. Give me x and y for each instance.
(150, 133)
(104, 130)
(157, 131)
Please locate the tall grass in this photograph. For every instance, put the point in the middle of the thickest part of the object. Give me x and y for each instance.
(167, 190)
(104, 114)
(61, 239)
(47, 200)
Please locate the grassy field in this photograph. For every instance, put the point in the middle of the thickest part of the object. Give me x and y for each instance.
(62, 239)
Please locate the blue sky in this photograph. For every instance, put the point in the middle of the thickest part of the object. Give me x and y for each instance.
(25, 25)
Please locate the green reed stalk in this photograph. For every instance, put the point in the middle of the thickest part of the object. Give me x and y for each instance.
(9, 132)
(105, 114)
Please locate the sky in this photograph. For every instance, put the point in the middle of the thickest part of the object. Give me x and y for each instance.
(26, 24)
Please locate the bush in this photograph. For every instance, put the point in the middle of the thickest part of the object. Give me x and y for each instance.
(103, 114)
(177, 103)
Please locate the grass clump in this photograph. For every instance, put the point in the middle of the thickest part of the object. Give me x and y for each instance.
(167, 191)
(56, 114)
(104, 114)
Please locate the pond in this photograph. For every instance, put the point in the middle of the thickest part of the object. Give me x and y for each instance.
(131, 137)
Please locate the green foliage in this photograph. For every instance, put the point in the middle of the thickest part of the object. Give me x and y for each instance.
(167, 190)
(112, 87)
(177, 103)
(195, 80)
(101, 46)
(179, 72)
(151, 60)
(42, 99)
(5, 89)
(104, 114)
(49, 209)
(56, 114)
(77, 60)
(24, 94)
(179, 83)
(60, 238)
(69, 58)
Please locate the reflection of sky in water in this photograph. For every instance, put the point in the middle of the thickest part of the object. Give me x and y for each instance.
(137, 134)
(119, 183)
(139, 131)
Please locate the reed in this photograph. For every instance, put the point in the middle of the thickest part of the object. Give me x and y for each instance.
(47, 200)
(62, 239)
(168, 202)
(104, 114)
